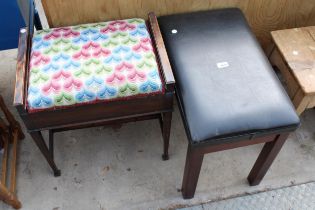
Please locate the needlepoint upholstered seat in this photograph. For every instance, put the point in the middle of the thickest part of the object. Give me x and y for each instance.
(89, 75)
(91, 63)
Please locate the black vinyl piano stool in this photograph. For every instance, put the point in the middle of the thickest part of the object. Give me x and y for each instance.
(228, 94)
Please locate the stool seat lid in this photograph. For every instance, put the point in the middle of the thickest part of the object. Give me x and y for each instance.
(225, 84)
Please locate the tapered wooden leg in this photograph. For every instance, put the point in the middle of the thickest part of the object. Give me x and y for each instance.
(4, 158)
(193, 164)
(265, 159)
(166, 130)
(39, 140)
(51, 143)
(9, 197)
(13, 160)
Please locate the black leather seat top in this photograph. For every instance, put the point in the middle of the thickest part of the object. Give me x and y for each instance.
(225, 84)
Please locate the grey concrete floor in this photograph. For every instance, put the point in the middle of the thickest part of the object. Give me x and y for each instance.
(287, 198)
(121, 168)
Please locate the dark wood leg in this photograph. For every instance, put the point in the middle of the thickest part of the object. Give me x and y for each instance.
(265, 159)
(51, 143)
(166, 130)
(193, 164)
(39, 140)
(1, 142)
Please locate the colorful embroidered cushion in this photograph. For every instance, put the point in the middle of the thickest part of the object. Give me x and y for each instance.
(91, 62)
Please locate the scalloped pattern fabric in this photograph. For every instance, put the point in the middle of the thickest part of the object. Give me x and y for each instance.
(92, 62)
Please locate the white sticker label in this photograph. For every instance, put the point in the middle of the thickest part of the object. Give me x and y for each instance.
(294, 52)
(222, 65)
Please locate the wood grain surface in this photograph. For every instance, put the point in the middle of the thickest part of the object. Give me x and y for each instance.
(164, 62)
(263, 15)
(297, 47)
(291, 83)
(295, 57)
(20, 69)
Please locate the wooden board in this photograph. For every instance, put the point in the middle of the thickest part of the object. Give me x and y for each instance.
(291, 83)
(263, 15)
(297, 47)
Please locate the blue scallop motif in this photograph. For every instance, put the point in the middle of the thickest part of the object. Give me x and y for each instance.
(51, 67)
(154, 74)
(61, 56)
(41, 101)
(85, 95)
(106, 92)
(90, 31)
(139, 32)
(37, 39)
(33, 90)
(94, 80)
(70, 64)
(80, 39)
(149, 85)
(41, 44)
(142, 26)
(121, 49)
(112, 59)
(133, 56)
(99, 36)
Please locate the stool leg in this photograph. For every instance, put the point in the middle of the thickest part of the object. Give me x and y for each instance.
(193, 164)
(39, 140)
(166, 130)
(265, 159)
(51, 143)
(9, 197)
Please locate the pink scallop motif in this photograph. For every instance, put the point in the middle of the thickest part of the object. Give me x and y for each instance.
(91, 45)
(117, 22)
(140, 47)
(61, 75)
(115, 78)
(136, 75)
(72, 83)
(145, 40)
(124, 66)
(126, 27)
(35, 54)
(81, 54)
(101, 52)
(52, 86)
(62, 29)
(71, 33)
(41, 60)
(52, 35)
(108, 29)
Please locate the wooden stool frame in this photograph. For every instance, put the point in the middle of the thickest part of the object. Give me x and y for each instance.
(9, 134)
(195, 153)
(90, 115)
(295, 65)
